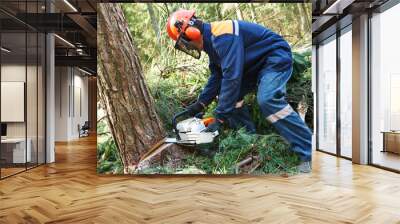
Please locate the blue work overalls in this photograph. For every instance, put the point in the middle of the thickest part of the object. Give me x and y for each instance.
(243, 57)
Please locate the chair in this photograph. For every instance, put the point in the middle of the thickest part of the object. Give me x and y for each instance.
(84, 130)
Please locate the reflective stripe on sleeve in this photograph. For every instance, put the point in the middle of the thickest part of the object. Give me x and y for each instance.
(235, 22)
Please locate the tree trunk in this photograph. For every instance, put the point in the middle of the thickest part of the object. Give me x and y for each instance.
(166, 7)
(218, 10)
(307, 17)
(300, 24)
(129, 106)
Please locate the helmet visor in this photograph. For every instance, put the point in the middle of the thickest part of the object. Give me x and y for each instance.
(188, 47)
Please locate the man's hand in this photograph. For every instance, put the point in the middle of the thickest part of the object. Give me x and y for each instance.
(195, 108)
(216, 125)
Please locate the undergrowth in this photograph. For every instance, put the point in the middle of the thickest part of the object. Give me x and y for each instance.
(108, 160)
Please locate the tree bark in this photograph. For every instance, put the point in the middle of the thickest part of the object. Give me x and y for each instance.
(129, 106)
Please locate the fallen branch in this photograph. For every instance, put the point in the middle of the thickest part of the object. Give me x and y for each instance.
(247, 161)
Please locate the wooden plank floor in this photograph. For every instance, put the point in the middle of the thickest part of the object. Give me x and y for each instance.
(70, 191)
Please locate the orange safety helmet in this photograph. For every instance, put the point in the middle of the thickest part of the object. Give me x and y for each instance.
(180, 22)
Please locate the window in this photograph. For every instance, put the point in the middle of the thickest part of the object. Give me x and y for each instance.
(22, 101)
(385, 89)
(346, 92)
(327, 95)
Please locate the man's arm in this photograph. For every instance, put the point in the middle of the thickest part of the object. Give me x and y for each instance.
(231, 51)
(212, 87)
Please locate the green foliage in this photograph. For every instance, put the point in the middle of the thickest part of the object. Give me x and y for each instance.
(108, 160)
(273, 151)
(299, 86)
(201, 162)
(174, 92)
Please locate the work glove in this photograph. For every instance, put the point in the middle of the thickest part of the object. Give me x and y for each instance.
(216, 125)
(195, 108)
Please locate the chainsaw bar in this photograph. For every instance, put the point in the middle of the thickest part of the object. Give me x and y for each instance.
(171, 140)
(160, 146)
(155, 149)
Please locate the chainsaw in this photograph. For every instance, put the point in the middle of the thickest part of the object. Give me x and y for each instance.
(191, 131)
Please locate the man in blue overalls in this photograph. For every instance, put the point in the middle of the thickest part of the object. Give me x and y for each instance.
(243, 56)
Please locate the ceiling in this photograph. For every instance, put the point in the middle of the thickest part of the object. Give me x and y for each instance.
(73, 21)
(330, 15)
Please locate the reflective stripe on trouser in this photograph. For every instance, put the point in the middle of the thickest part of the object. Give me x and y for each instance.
(271, 99)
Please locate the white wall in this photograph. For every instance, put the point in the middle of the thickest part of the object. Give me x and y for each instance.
(61, 103)
(79, 117)
(70, 83)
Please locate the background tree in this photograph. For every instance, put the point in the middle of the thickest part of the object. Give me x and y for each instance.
(239, 14)
(253, 12)
(154, 21)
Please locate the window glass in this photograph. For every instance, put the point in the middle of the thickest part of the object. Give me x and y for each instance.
(15, 150)
(346, 92)
(327, 96)
(385, 85)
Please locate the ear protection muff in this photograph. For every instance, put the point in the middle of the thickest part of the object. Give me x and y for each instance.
(193, 33)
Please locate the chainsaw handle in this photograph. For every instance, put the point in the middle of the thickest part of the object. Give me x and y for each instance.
(180, 114)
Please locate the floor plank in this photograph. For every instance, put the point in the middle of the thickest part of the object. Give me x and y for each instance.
(70, 191)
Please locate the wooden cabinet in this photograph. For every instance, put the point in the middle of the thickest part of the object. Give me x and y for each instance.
(391, 142)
